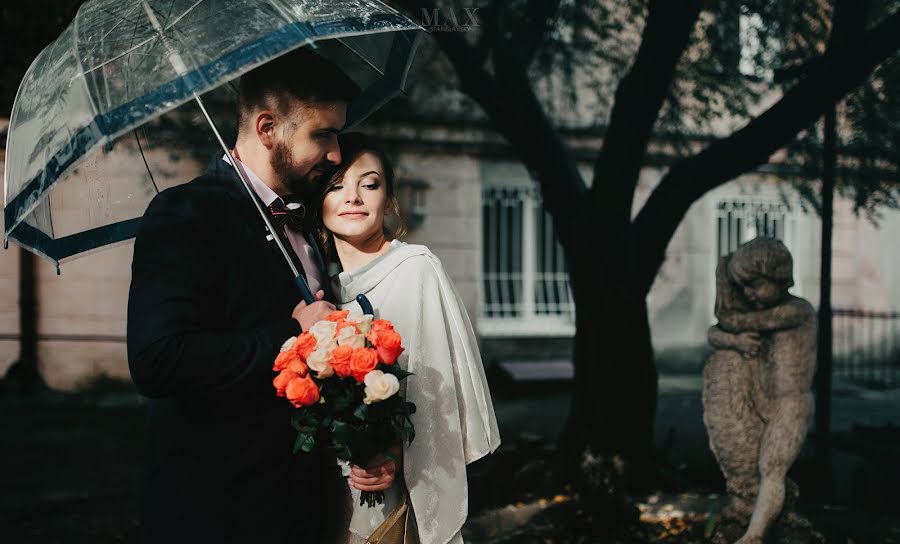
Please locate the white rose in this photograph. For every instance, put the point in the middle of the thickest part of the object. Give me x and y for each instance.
(363, 322)
(353, 340)
(288, 344)
(318, 361)
(345, 333)
(380, 386)
(327, 345)
(323, 331)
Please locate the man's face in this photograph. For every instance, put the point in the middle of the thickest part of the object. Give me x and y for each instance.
(308, 146)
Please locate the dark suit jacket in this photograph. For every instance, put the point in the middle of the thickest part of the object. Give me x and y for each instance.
(209, 306)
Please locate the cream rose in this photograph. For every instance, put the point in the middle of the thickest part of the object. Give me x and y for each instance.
(327, 345)
(349, 337)
(380, 386)
(288, 344)
(319, 361)
(363, 322)
(324, 332)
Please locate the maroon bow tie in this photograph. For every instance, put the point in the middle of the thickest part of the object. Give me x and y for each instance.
(282, 215)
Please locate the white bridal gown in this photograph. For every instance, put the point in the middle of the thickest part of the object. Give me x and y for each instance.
(454, 420)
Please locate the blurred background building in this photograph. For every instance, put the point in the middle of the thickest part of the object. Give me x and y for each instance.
(465, 195)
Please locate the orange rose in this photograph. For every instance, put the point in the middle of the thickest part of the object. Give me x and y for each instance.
(337, 315)
(302, 391)
(305, 344)
(281, 381)
(378, 326)
(298, 366)
(388, 346)
(284, 360)
(340, 360)
(382, 325)
(363, 361)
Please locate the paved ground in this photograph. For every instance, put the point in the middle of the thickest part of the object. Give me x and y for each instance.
(69, 473)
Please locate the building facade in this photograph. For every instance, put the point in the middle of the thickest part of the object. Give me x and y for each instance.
(466, 196)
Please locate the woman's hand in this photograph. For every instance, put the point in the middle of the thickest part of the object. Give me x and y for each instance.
(379, 474)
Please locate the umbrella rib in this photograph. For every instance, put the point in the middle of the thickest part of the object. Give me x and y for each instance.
(169, 15)
(360, 55)
(180, 17)
(77, 54)
(124, 53)
(122, 19)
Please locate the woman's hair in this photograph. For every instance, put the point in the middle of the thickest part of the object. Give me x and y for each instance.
(354, 144)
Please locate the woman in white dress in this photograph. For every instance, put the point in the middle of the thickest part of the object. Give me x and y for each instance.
(406, 284)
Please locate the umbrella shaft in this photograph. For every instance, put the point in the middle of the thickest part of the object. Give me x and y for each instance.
(305, 291)
(174, 57)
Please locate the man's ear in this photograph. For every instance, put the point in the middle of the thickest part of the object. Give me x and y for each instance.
(265, 128)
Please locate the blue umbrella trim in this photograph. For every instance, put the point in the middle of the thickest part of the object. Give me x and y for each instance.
(60, 248)
(175, 92)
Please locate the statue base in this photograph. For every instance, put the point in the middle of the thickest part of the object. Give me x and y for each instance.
(790, 528)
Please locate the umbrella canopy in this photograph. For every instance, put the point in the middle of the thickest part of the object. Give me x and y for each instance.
(120, 64)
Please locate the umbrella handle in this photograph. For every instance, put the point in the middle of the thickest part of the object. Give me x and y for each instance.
(365, 305)
(304, 289)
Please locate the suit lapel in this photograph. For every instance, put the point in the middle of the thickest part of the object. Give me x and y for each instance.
(221, 169)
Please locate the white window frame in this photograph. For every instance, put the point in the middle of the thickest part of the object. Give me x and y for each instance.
(794, 228)
(529, 322)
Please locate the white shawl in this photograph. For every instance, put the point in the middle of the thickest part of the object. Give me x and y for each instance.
(454, 420)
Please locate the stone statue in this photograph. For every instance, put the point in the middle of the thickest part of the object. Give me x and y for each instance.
(757, 404)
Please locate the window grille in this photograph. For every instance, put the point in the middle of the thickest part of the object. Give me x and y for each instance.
(525, 283)
(740, 221)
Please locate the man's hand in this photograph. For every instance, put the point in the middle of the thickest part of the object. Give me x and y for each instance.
(378, 475)
(749, 343)
(309, 315)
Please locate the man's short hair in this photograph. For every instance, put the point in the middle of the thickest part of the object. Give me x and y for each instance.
(301, 75)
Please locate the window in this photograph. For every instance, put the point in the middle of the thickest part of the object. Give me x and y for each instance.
(525, 284)
(740, 221)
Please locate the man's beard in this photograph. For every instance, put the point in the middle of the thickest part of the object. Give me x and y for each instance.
(290, 175)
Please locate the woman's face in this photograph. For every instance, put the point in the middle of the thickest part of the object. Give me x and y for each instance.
(354, 207)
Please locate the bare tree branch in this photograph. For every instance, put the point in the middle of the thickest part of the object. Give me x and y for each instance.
(639, 97)
(752, 145)
(529, 30)
(508, 99)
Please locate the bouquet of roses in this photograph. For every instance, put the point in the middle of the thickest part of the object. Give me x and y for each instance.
(341, 377)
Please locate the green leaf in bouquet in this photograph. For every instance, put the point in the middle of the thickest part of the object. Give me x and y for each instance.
(341, 432)
(304, 418)
(342, 451)
(395, 370)
(305, 442)
(361, 412)
(341, 403)
(409, 430)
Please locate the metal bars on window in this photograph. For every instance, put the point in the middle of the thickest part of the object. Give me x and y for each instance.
(525, 284)
(739, 221)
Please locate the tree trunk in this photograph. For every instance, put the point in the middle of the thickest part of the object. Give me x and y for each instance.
(608, 440)
(23, 377)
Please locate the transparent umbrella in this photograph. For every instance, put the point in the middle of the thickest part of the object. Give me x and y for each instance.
(122, 64)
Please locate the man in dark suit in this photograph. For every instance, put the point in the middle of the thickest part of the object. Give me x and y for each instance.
(211, 301)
